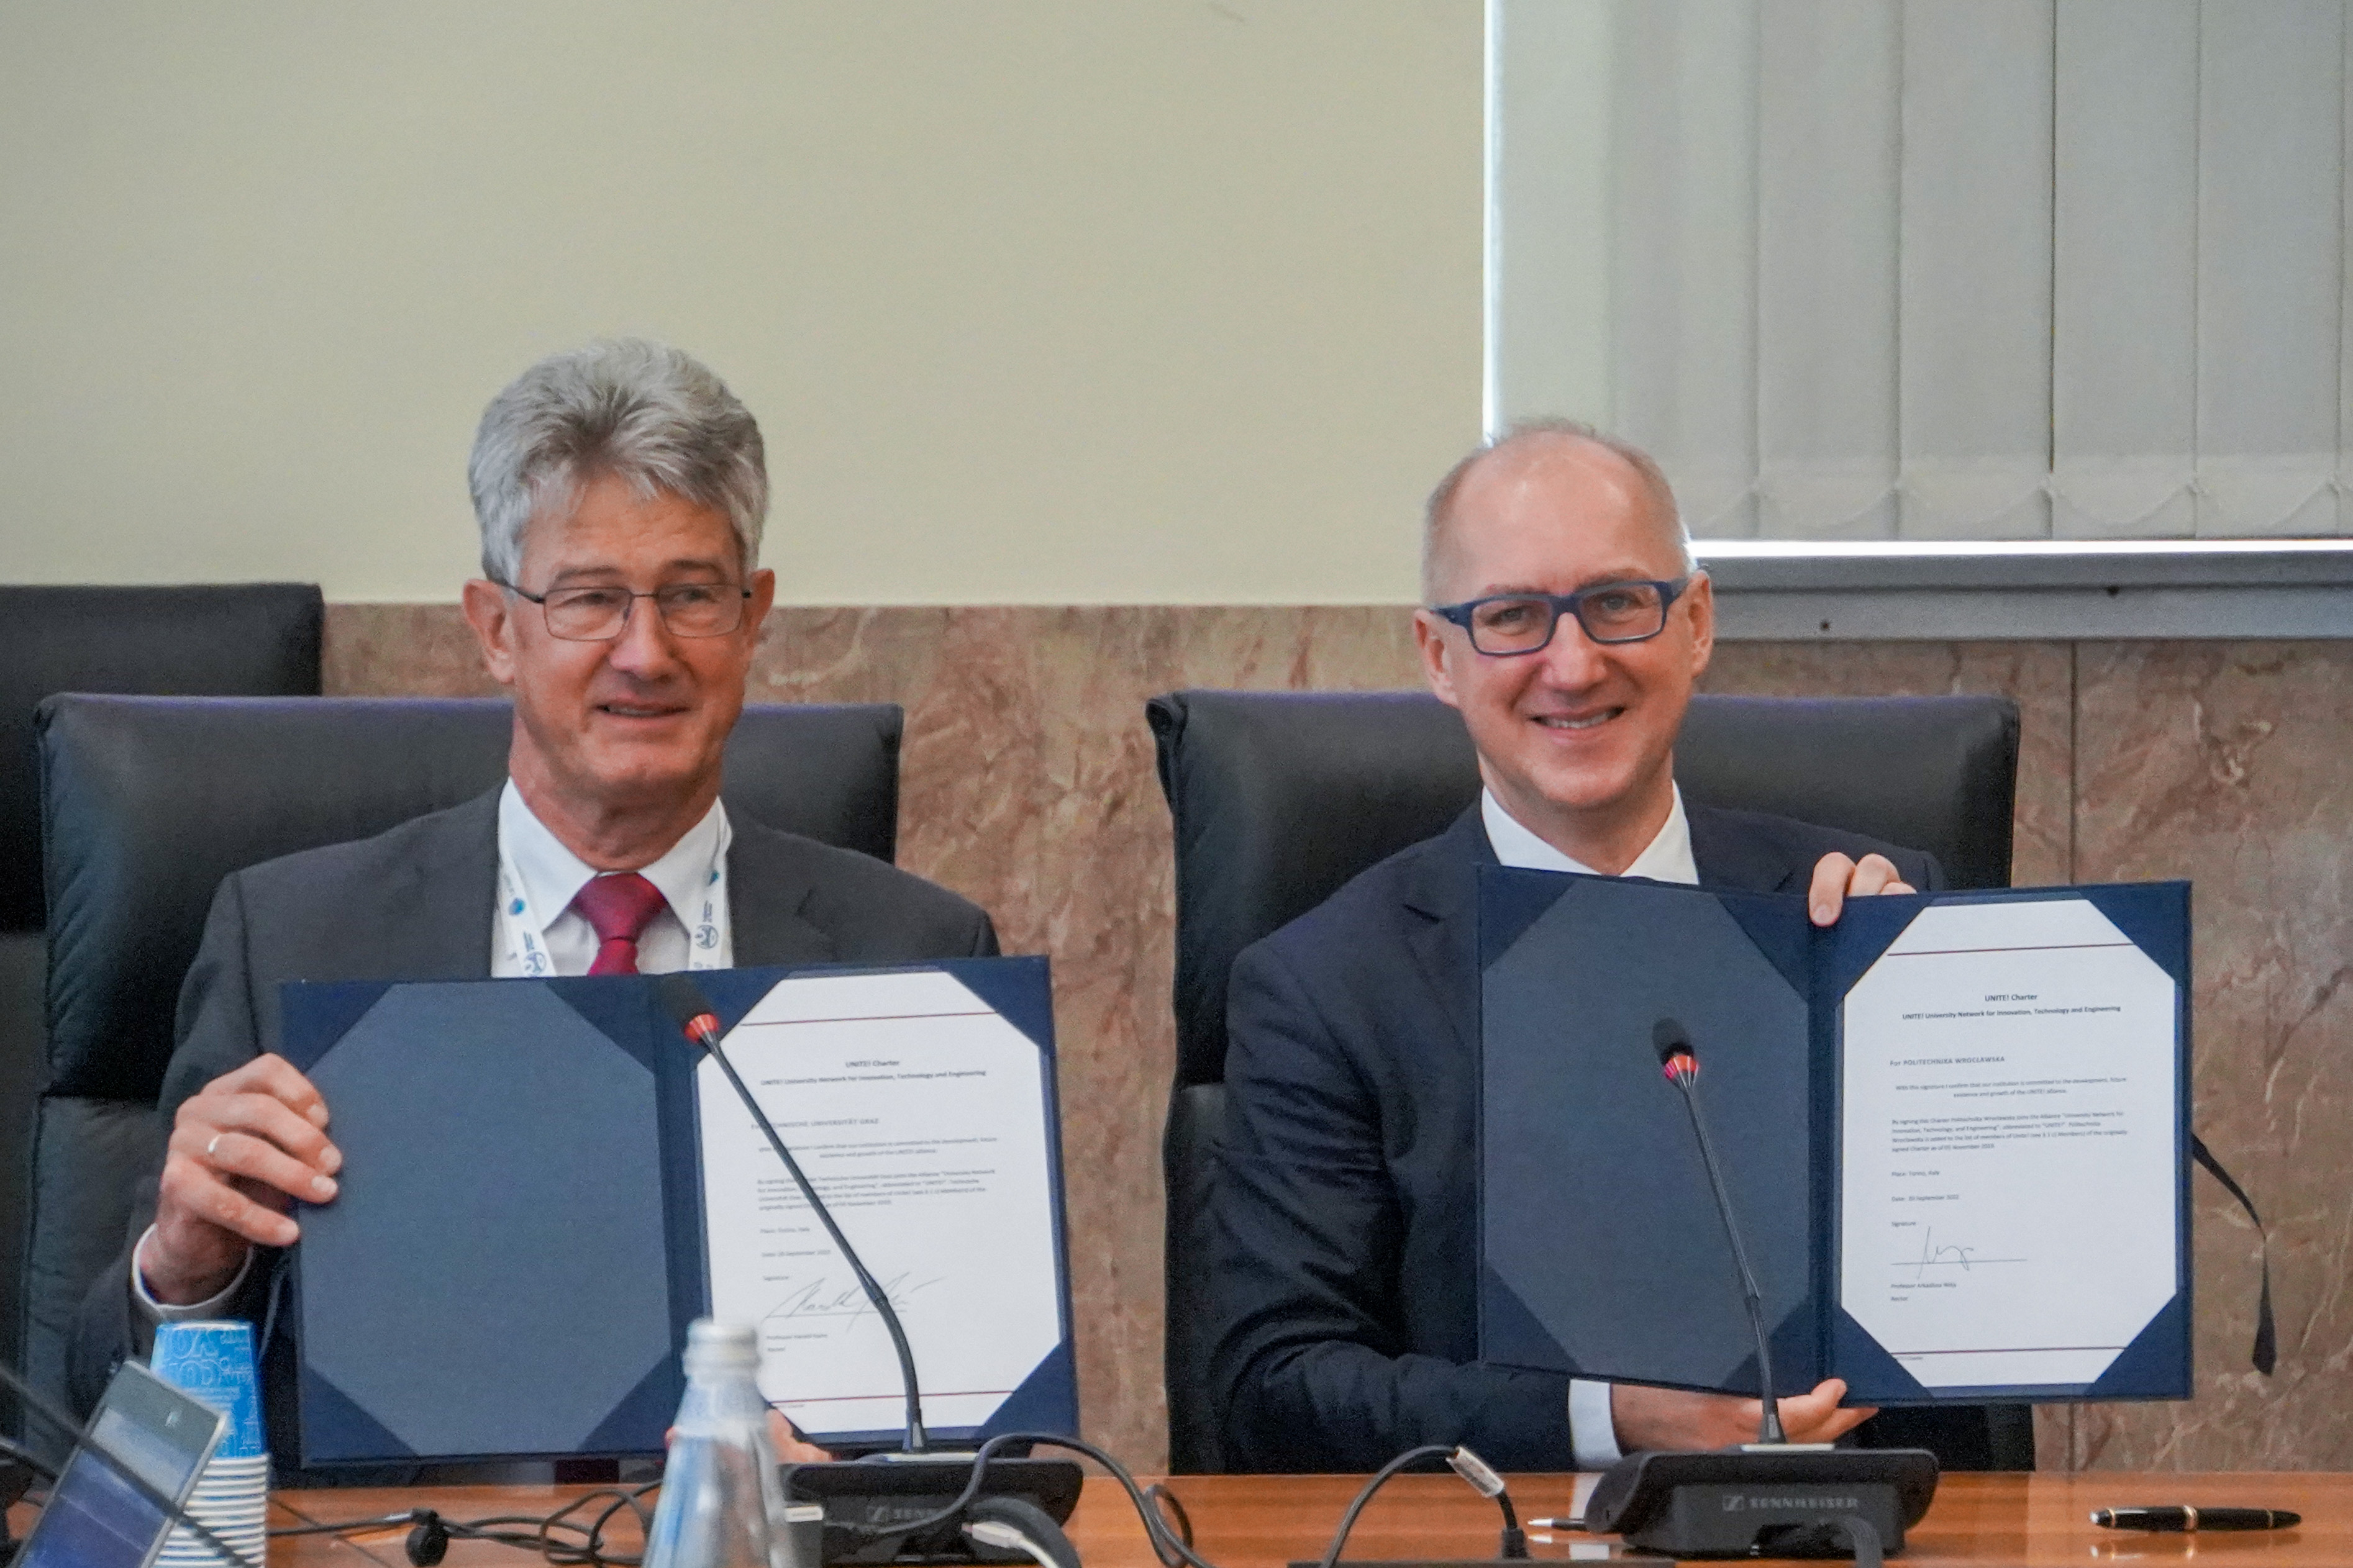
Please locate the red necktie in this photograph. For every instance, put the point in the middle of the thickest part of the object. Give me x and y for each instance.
(619, 908)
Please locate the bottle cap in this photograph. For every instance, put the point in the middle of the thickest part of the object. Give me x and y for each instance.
(717, 1349)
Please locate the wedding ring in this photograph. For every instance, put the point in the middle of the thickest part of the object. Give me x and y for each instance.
(214, 1144)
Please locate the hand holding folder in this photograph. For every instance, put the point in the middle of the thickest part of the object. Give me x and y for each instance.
(547, 1185)
(1897, 1098)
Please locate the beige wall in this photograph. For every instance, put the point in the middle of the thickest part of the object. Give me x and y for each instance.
(1038, 300)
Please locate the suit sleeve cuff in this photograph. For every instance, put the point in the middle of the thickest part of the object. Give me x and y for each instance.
(1591, 1432)
(157, 1311)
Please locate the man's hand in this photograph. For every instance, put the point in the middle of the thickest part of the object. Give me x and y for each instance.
(241, 1152)
(1669, 1418)
(790, 1448)
(1838, 879)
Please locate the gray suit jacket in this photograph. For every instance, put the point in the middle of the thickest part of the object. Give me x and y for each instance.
(416, 903)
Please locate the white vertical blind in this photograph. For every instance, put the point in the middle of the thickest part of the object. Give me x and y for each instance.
(1683, 221)
(2270, 267)
(1964, 268)
(1976, 313)
(2125, 271)
(1826, 273)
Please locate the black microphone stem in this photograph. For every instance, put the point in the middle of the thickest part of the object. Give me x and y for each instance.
(1768, 1428)
(914, 1443)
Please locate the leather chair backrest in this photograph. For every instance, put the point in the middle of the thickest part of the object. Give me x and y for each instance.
(261, 638)
(1278, 798)
(255, 639)
(150, 802)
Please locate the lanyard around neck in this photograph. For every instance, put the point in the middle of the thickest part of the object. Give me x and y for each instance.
(520, 925)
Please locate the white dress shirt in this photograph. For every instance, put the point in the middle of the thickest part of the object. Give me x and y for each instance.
(1667, 858)
(551, 877)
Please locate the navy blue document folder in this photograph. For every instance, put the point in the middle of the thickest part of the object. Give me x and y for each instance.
(1601, 1253)
(518, 1244)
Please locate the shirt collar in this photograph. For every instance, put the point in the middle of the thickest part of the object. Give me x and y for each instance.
(552, 876)
(1667, 858)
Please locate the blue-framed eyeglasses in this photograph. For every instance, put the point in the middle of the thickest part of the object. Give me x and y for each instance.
(1504, 624)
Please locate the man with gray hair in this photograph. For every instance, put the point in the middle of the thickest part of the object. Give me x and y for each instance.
(620, 491)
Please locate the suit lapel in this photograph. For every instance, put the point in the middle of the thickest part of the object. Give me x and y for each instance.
(769, 883)
(450, 900)
(1729, 855)
(1441, 902)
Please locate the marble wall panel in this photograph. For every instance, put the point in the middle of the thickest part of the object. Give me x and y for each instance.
(401, 650)
(1028, 786)
(2226, 763)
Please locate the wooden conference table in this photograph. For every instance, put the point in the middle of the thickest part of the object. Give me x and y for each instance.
(1264, 1521)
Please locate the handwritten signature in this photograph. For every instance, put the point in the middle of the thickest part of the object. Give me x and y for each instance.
(1931, 1254)
(820, 1299)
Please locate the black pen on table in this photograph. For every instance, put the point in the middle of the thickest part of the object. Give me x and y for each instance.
(2182, 1518)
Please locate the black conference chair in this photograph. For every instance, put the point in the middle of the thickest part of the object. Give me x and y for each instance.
(259, 639)
(1280, 797)
(148, 803)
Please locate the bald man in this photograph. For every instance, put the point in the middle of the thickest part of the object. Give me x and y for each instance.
(1565, 620)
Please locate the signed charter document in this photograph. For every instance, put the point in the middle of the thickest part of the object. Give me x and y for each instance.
(502, 1283)
(917, 1112)
(2008, 1108)
(1952, 1128)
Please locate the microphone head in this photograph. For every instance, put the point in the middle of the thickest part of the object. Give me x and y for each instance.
(689, 1008)
(1675, 1056)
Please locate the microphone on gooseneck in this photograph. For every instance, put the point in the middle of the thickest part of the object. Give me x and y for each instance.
(1772, 1497)
(1682, 1067)
(928, 1506)
(697, 1021)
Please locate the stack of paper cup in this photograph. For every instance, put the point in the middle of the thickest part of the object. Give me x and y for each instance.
(214, 1361)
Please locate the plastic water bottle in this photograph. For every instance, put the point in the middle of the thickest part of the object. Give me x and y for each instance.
(721, 1506)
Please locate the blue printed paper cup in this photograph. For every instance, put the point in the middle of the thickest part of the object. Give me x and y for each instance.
(214, 1361)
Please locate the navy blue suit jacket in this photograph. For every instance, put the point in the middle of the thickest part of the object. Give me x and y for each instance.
(1344, 1249)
